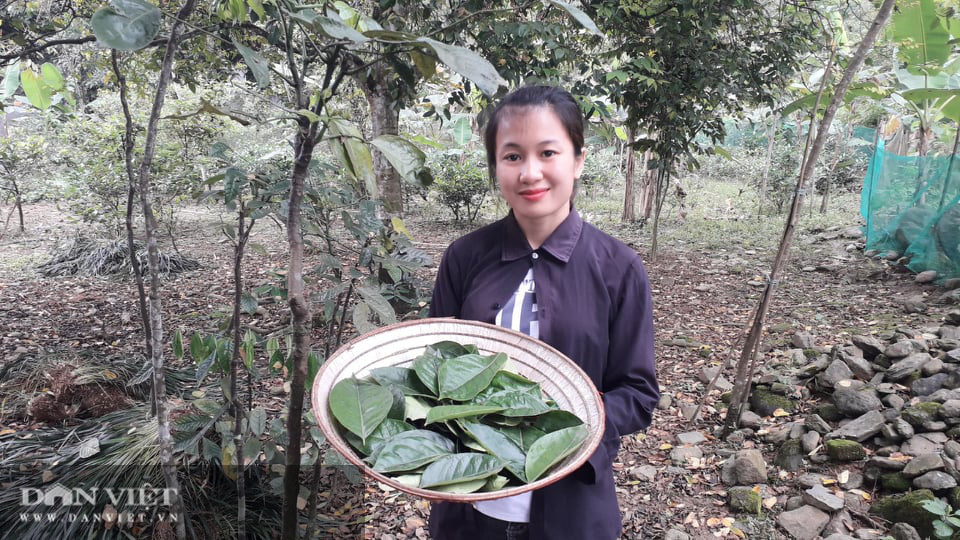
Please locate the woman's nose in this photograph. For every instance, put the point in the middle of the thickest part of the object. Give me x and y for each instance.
(531, 171)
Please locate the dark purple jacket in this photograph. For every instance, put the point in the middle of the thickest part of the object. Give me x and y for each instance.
(594, 305)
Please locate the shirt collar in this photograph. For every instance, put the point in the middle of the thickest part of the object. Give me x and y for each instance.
(560, 243)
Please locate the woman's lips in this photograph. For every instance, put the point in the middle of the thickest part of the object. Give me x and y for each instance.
(534, 194)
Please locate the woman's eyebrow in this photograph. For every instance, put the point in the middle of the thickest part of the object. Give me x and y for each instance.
(541, 143)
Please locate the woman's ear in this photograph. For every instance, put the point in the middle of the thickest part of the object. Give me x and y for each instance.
(581, 159)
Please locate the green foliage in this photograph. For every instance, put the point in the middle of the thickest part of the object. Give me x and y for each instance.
(947, 524)
(461, 182)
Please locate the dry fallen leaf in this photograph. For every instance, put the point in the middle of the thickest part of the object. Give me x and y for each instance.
(714, 522)
(828, 481)
(769, 502)
(780, 413)
(843, 477)
(666, 446)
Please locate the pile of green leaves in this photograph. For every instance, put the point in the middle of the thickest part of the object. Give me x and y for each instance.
(455, 421)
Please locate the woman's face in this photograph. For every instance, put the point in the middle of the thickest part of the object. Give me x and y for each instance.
(536, 166)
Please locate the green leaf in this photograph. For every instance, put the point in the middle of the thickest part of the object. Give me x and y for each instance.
(403, 155)
(426, 65)
(11, 81)
(468, 64)
(426, 367)
(923, 42)
(206, 364)
(258, 421)
(462, 132)
(178, 344)
(497, 444)
(228, 460)
(936, 506)
(310, 115)
(197, 348)
(412, 449)
(52, 77)
(579, 16)
(336, 29)
(361, 318)
(361, 164)
(211, 449)
(451, 349)
(416, 408)
(126, 26)
(459, 468)
(37, 93)
(550, 449)
(515, 403)
(942, 530)
(257, 7)
(384, 432)
(496, 483)
(469, 486)
(257, 64)
(556, 420)
(398, 411)
(248, 303)
(442, 413)
(462, 378)
(360, 406)
(403, 378)
(429, 142)
(251, 450)
(946, 100)
(620, 133)
(378, 304)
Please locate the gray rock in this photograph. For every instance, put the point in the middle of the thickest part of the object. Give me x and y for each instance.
(708, 373)
(837, 371)
(793, 502)
(683, 455)
(666, 400)
(840, 523)
(952, 283)
(923, 464)
(926, 276)
(688, 410)
(942, 395)
(674, 534)
(815, 423)
(744, 499)
(854, 480)
(691, 438)
(803, 340)
(644, 472)
(749, 467)
(903, 428)
(949, 332)
(777, 435)
(728, 474)
(934, 366)
(902, 349)
(889, 433)
(950, 466)
(823, 499)
(907, 366)
(904, 531)
(935, 481)
(854, 403)
(893, 401)
(921, 444)
(750, 419)
(859, 429)
(914, 304)
(804, 523)
(870, 345)
(838, 536)
(928, 385)
(953, 318)
(859, 365)
(885, 463)
(953, 356)
(810, 440)
(797, 430)
(951, 449)
(808, 480)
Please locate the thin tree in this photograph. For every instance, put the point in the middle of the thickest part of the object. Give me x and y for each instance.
(746, 364)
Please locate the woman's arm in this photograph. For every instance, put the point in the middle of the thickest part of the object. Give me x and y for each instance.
(447, 291)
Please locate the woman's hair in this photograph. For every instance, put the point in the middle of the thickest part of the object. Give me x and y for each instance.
(560, 102)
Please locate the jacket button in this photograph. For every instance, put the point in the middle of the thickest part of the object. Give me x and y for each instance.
(496, 306)
(535, 255)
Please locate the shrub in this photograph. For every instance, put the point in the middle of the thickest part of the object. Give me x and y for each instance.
(461, 183)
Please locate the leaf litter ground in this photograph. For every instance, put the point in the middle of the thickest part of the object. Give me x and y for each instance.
(703, 298)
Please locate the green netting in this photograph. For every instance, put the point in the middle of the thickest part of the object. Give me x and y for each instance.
(912, 206)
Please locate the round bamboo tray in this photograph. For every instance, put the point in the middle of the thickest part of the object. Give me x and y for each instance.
(399, 344)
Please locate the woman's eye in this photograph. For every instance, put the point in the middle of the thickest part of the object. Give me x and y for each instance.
(549, 153)
(511, 157)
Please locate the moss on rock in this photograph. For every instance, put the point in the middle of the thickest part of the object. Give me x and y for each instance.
(895, 481)
(920, 413)
(790, 455)
(745, 500)
(764, 402)
(829, 412)
(907, 508)
(844, 450)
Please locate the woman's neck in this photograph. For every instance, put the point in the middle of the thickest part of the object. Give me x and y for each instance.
(536, 231)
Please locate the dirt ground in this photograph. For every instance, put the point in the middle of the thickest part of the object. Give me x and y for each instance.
(705, 296)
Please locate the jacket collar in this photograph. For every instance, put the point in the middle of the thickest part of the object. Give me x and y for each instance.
(559, 244)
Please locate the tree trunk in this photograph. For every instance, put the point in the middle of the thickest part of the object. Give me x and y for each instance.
(242, 234)
(384, 120)
(628, 209)
(771, 136)
(843, 137)
(128, 141)
(660, 195)
(647, 183)
(746, 364)
(18, 202)
(300, 311)
(167, 463)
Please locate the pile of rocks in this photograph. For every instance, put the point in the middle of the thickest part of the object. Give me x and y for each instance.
(893, 412)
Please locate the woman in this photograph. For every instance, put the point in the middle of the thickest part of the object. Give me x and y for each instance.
(543, 271)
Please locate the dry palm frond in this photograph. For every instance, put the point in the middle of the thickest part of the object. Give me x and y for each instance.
(125, 454)
(97, 256)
